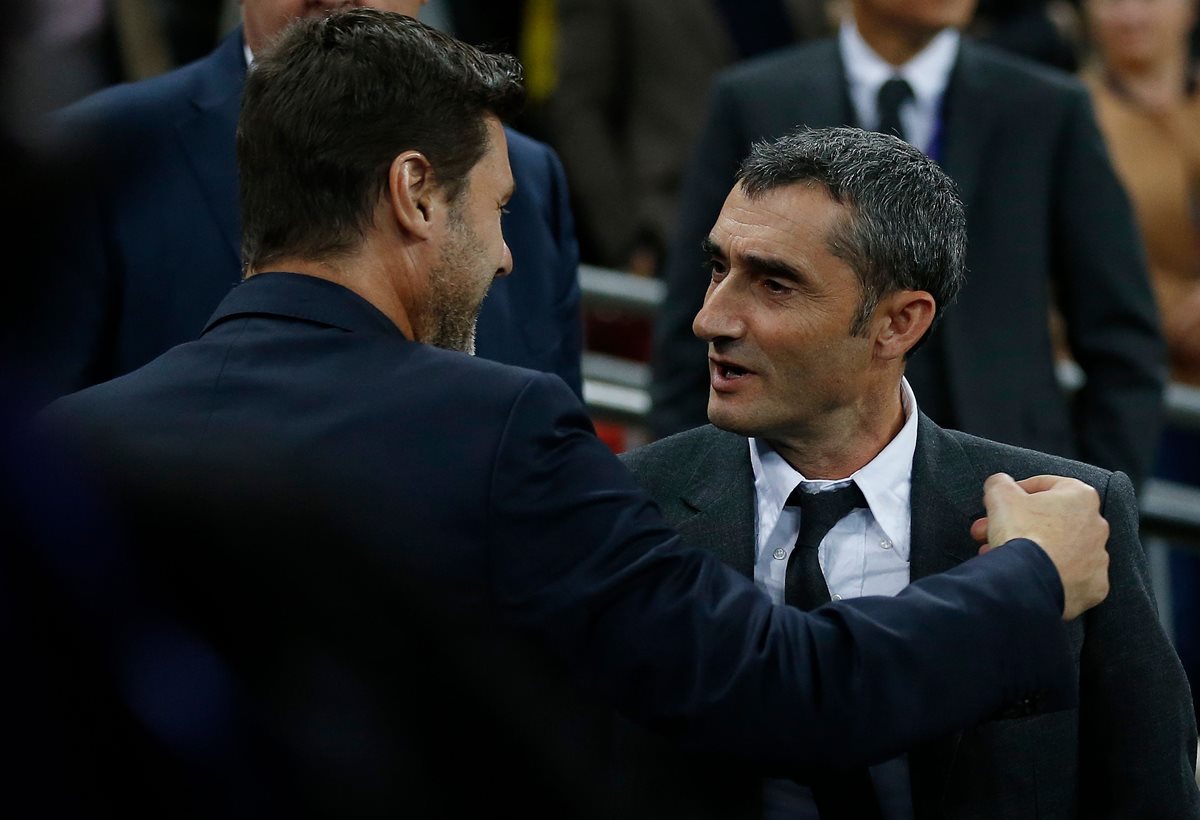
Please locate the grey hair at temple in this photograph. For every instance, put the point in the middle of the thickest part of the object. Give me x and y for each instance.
(905, 229)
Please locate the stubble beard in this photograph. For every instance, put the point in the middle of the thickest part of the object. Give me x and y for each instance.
(455, 296)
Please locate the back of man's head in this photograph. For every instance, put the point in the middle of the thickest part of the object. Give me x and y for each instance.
(906, 229)
(329, 106)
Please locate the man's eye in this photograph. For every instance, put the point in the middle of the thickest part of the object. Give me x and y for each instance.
(775, 287)
(716, 269)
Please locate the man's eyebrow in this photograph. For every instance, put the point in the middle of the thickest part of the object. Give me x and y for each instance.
(710, 247)
(777, 268)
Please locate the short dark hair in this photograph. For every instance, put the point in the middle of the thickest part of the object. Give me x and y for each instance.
(329, 106)
(906, 228)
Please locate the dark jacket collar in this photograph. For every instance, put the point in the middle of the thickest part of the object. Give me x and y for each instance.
(296, 296)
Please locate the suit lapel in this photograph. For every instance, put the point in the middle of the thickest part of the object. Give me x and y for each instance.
(967, 122)
(208, 133)
(947, 496)
(720, 491)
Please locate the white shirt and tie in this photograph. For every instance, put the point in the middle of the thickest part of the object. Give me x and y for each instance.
(866, 553)
(927, 73)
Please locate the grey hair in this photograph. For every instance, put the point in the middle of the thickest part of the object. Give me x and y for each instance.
(905, 229)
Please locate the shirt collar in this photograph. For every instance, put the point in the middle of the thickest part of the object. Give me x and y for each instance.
(928, 72)
(885, 481)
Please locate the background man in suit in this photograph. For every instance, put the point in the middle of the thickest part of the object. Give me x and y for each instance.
(1045, 217)
(831, 261)
(156, 248)
(373, 176)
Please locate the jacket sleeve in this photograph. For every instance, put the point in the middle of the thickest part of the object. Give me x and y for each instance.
(1137, 731)
(582, 558)
(1104, 294)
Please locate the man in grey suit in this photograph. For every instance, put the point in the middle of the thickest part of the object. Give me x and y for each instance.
(1047, 221)
(833, 257)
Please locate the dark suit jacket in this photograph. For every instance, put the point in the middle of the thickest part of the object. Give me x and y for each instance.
(486, 482)
(158, 246)
(1127, 751)
(1045, 215)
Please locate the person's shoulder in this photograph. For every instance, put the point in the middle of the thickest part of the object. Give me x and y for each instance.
(786, 65)
(533, 162)
(667, 454)
(993, 456)
(1015, 74)
(156, 102)
(459, 379)
(143, 99)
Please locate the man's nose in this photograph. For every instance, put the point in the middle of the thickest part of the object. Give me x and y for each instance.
(719, 318)
(506, 262)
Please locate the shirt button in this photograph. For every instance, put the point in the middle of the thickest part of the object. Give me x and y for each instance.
(886, 544)
(779, 554)
(837, 597)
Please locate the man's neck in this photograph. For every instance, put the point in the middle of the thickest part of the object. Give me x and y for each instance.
(843, 446)
(375, 286)
(895, 44)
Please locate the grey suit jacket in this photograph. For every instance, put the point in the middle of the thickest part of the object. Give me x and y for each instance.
(1128, 751)
(1046, 220)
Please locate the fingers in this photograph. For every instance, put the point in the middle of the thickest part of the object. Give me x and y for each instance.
(979, 529)
(998, 490)
(1041, 483)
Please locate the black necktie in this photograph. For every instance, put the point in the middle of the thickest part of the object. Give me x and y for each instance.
(893, 94)
(848, 795)
(805, 584)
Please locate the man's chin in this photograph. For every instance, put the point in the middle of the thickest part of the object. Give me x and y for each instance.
(725, 417)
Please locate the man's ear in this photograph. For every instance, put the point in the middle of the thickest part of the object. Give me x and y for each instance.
(412, 194)
(901, 320)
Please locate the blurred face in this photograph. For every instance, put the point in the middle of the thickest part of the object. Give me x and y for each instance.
(1130, 33)
(777, 317)
(915, 15)
(473, 252)
(264, 19)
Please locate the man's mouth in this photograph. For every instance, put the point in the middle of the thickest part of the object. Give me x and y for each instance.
(726, 373)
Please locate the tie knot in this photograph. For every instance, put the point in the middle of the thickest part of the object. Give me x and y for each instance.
(819, 512)
(894, 93)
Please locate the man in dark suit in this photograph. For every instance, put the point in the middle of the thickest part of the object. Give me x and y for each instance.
(156, 248)
(831, 260)
(1045, 217)
(370, 239)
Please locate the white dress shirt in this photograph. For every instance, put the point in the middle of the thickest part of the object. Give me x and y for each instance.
(866, 553)
(928, 73)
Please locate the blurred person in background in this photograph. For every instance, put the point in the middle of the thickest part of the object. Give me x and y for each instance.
(629, 99)
(1144, 84)
(154, 247)
(1046, 219)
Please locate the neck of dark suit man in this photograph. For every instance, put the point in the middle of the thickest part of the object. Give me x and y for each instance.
(896, 44)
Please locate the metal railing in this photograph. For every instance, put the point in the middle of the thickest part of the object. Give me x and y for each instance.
(617, 389)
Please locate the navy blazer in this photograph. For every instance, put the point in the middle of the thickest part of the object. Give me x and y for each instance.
(488, 480)
(1047, 223)
(157, 246)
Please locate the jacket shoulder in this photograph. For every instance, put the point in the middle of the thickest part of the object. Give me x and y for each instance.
(668, 458)
(992, 457)
(1017, 74)
(783, 67)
